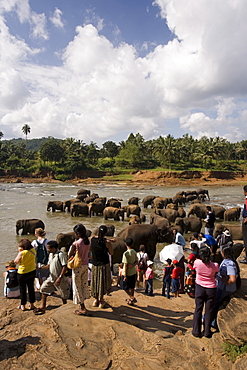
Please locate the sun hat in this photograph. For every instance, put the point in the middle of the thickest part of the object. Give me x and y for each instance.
(226, 233)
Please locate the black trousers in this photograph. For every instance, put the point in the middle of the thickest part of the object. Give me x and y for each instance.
(203, 296)
(26, 281)
(244, 230)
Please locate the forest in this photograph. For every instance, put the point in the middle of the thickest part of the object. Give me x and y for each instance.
(63, 158)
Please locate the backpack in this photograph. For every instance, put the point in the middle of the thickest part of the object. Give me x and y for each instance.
(41, 253)
(11, 279)
(142, 264)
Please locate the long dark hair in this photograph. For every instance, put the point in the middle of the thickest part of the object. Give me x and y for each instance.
(101, 235)
(81, 231)
(204, 255)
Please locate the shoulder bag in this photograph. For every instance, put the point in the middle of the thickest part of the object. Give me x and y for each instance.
(74, 261)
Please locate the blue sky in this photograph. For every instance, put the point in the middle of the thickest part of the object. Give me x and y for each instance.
(97, 70)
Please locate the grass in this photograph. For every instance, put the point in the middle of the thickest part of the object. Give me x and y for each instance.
(233, 352)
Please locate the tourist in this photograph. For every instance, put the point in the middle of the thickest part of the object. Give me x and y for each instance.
(149, 278)
(209, 220)
(244, 226)
(197, 240)
(129, 261)
(41, 255)
(101, 271)
(190, 272)
(141, 265)
(120, 276)
(176, 276)
(167, 279)
(26, 258)
(205, 291)
(57, 264)
(226, 279)
(178, 238)
(211, 243)
(11, 286)
(80, 274)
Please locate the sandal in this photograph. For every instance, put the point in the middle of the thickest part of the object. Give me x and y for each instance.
(130, 302)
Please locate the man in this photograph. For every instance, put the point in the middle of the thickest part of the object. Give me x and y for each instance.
(210, 242)
(210, 220)
(129, 270)
(244, 225)
(57, 264)
(178, 238)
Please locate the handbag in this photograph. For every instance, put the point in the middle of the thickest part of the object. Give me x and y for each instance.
(74, 261)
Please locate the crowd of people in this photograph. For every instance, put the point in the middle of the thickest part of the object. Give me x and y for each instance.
(203, 278)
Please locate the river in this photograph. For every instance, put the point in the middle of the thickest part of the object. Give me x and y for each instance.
(20, 201)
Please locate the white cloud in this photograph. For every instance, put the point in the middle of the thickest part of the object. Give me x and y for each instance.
(199, 79)
(56, 19)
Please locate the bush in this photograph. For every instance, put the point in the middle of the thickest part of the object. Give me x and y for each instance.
(232, 351)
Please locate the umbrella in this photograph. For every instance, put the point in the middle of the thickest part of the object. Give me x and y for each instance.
(172, 251)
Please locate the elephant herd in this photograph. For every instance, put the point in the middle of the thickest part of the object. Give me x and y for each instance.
(168, 213)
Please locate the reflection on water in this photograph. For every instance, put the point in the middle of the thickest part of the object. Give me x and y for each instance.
(20, 201)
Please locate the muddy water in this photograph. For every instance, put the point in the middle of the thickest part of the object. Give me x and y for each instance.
(20, 201)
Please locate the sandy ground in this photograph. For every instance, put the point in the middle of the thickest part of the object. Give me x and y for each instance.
(153, 334)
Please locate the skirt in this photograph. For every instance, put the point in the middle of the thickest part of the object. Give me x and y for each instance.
(80, 284)
(101, 280)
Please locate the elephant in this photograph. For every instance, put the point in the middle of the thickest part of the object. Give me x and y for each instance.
(237, 250)
(235, 230)
(160, 202)
(193, 224)
(190, 192)
(113, 202)
(28, 226)
(149, 235)
(180, 194)
(191, 197)
(95, 208)
(135, 220)
(232, 214)
(100, 200)
(179, 200)
(147, 201)
(203, 192)
(89, 199)
(134, 200)
(65, 240)
(55, 205)
(68, 203)
(198, 210)
(84, 191)
(218, 211)
(110, 230)
(119, 248)
(170, 214)
(113, 212)
(158, 220)
(132, 209)
(181, 212)
(79, 209)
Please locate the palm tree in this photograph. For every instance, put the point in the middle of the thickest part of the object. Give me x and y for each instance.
(26, 130)
(1, 135)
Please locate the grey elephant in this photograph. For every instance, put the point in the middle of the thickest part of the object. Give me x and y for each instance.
(170, 214)
(193, 224)
(113, 202)
(160, 202)
(78, 209)
(134, 200)
(67, 204)
(149, 235)
(135, 220)
(132, 209)
(90, 199)
(203, 192)
(119, 248)
(55, 205)
(28, 226)
(179, 200)
(65, 240)
(110, 230)
(95, 208)
(218, 211)
(235, 230)
(191, 197)
(198, 210)
(232, 214)
(84, 191)
(147, 201)
(113, 212)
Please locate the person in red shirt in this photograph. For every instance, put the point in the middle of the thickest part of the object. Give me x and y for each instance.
(176, 272)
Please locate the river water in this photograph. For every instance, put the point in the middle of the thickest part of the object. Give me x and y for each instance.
(21, 201)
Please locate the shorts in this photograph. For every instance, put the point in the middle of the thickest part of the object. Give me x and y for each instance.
(130, 282)
(63, 289)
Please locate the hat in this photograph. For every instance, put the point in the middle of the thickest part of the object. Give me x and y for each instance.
(175, 262)
(226, 233)
(149, 263)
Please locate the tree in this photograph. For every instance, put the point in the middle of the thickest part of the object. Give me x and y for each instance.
(52, 150)
(1, 135)
(109, 149)
(26, 130)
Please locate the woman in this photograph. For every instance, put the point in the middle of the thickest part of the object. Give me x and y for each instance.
(41, 254)
(226, 279)
(205, 291)
(101, 272)
(26, 258)
(80, 274)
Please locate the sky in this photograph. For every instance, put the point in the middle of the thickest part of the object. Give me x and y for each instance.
(98, 70)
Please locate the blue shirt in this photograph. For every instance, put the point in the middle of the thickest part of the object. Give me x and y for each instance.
(179, 239)
(244, 213)
(227, 267)
(210, 240)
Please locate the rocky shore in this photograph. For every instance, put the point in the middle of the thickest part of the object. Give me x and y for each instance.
(153, 334)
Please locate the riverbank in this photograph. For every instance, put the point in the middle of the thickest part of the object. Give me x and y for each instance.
(153, 334)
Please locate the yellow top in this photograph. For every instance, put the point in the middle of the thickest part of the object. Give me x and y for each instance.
(27, 262)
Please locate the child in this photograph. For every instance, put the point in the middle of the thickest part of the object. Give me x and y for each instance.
(149, 276)
(167, 279)
(11, 286)
(176, 272)
(120, 276)
(141, 265)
